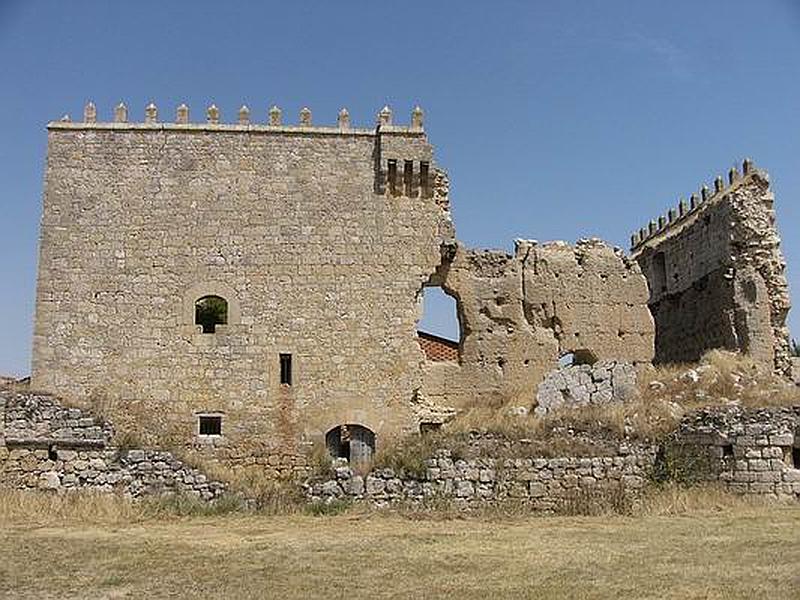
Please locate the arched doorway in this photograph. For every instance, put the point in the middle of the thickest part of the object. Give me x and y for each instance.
(356, 443)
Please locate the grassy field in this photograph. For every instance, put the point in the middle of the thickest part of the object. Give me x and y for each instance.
(742, 551)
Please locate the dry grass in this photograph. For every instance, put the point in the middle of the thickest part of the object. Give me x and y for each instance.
(721, 379)
(738, 549)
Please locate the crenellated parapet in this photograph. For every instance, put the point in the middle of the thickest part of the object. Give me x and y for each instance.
(214, 121)
(686, 210)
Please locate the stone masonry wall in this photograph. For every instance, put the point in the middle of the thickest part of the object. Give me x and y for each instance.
(755, 451)
(716, 274)
(319, 238)
(579, 385)
(544, 483)
(45, 445)
(748, 451)
(520, 313)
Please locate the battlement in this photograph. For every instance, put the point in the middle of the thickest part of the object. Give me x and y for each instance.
(213, 122)
(685, 211)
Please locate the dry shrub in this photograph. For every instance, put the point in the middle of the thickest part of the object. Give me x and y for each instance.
(409, 454)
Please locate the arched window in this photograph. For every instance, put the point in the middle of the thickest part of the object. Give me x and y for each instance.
(210, 311)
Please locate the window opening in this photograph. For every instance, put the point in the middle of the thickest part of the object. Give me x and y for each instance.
(392, 164)
(727, 451)
(286, 369)
(210, 425)
(659, 272)
(439, 329)
(52, 454)
(210, 311)
(796, 457)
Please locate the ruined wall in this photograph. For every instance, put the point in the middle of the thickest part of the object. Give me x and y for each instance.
(520, 313)
(574, 386)
(319, 238)
(47, 446)
(753, 451)
(544, 484)
(746, 451)
(716, 274)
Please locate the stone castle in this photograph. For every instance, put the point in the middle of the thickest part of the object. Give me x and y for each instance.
(250, 289)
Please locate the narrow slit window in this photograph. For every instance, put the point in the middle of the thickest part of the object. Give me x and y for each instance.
(424, 184)
(286, 369)
(392, 164)
(210, 425)
(408, 178)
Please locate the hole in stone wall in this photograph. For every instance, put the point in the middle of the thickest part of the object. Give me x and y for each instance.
(439, 329)
(210, 311)
(796, 457)
(577, 357)
(426, 428)
(727, 451)
(356, 443)
(750, 291)
(52, 454)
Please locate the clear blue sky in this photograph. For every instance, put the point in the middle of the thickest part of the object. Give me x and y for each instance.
(556, 120)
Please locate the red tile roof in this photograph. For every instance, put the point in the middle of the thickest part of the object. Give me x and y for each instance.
(437, 349)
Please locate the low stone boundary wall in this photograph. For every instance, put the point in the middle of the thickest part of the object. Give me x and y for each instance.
(134, 473)
(753, 451)
(544, 483)
(44, 445)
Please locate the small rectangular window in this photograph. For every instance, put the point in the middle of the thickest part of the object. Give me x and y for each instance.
(210, 425)
(286, 369)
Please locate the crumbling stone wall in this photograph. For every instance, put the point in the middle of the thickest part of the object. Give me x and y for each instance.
(520, 313)
(48, 446)
(716, 274)
(543, 483)
(319, 238)
(747, 451)
(574, 386)
(755, 451)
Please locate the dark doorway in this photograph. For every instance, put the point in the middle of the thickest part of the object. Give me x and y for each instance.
(353, 442)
